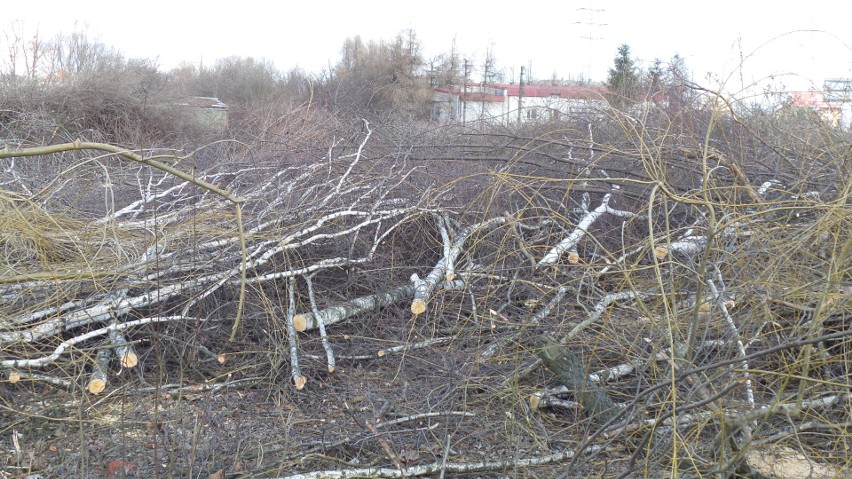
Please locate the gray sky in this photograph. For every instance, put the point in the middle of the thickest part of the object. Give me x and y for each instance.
(741, 43)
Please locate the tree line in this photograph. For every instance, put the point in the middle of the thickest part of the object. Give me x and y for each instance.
(661, 82)
(382, 80)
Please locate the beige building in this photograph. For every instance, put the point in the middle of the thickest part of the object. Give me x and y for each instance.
(829, 112)
(208, 111)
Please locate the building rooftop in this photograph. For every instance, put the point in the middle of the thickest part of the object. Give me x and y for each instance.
(812, 99)
(490, 90)
(204, 102)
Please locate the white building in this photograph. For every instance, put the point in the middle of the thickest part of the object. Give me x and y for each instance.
(504, 104)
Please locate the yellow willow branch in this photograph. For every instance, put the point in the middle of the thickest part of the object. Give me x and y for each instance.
(78, 145)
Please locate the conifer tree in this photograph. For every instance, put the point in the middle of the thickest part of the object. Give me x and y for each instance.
(623, 80)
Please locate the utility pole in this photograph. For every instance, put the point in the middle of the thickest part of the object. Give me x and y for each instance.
(487, 67)
(464, 93)
(520, 94)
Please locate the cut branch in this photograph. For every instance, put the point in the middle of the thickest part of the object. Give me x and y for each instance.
(296, 373)
(126, 354)
(424, 288)
(569, 243)
(436, 467)
(100, 373)
(335, 314)
(312, 298)
(45, 360)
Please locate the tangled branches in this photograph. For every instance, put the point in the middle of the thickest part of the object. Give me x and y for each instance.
(689, 299)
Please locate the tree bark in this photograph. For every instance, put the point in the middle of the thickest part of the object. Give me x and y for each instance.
(335, 314)
(571, 371)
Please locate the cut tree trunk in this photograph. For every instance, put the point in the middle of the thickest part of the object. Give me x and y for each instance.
(100, 374)
(335, 314)
(571, 371)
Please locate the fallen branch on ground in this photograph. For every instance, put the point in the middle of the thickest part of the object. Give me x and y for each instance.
(433, 468)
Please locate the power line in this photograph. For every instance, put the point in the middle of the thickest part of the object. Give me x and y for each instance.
(591, 23)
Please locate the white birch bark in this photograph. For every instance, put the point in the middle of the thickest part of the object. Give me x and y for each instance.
(100, 372)
(59, 350)
(569, 243)
(687, 246)
(729, 321)
(422, 470)
(424, 288)
(125, 352)
(335, 314)
(319, 319)
(296, 373)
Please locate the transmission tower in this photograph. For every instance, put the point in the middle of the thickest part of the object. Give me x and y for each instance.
(591, 25)
(839, 90)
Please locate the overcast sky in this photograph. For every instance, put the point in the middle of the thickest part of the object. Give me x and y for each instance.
(797, 45)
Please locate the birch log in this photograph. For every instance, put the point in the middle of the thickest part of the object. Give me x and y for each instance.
(335, 314)
(125, 352)
(423, 288)
(426, 287)
(99, 378)
(687, 246)
(341, 312)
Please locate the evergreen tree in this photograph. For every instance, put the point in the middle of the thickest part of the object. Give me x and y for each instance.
(623, 80)
(655, 78)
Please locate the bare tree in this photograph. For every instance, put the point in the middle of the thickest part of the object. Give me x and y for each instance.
(380, 78)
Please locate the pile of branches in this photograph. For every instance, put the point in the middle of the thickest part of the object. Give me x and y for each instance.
(675, 288)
